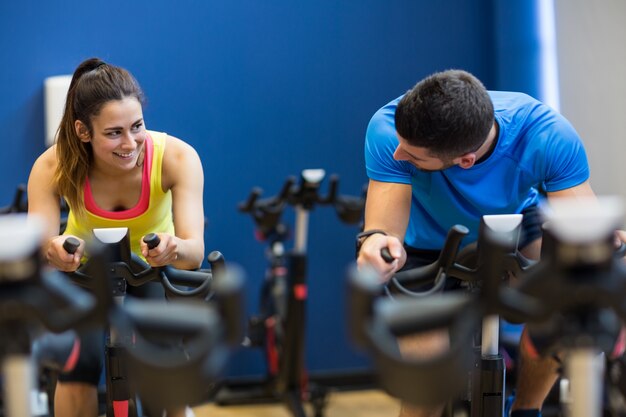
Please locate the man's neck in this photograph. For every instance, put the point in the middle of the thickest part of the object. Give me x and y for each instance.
(488, 145)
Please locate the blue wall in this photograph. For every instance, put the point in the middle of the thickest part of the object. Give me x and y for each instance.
(262, 89)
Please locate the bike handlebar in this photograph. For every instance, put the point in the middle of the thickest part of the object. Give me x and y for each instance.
(576, 289)
(152, 240)
(206, 328)
(30, 294)
(19, 203)
(136, 272)
(432, 272)
(267, 212)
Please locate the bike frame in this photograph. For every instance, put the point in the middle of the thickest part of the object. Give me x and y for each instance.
(287, 380)
(121, 400)
(31, 299)
(571, 301)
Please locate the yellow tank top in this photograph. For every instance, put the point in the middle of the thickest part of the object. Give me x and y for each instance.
(152, 214)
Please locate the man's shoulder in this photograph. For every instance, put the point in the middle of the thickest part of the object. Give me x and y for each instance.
(382, 122)
(511, 99)
(389, 108)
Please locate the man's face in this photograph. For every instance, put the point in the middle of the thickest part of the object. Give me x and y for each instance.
(420, 157)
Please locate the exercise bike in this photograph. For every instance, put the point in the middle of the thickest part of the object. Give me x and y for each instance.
(580, 279)
(486, 390)
(163, 377)
(33, 300)
(19, 204)
(279, 329)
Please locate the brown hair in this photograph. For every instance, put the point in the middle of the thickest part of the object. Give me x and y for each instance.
(94, 83)
(450, 113)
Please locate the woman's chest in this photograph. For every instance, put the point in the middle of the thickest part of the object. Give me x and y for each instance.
(119, 195)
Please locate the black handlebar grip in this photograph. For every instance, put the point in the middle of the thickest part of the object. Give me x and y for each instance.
(152, 240)
(218, 264)
(71, 244)
(248, 205)
(287, 186)
(448, 254)
(386, 255)
(333, 189)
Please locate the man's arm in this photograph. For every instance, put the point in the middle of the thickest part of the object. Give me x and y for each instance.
(584, 191)
(387, 208)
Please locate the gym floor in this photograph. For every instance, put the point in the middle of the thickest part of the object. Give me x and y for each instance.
(369, 403)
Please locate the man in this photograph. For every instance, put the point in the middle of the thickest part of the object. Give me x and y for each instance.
(448, 152)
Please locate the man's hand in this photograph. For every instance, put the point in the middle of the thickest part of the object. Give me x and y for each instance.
(370, 254)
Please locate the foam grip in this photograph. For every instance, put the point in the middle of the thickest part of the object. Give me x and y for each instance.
(152, 240)
(386, 255)
(71, 244)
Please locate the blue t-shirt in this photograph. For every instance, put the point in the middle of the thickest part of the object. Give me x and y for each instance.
(536, 147)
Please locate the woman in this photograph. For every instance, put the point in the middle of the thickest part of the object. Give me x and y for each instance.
(114, 173)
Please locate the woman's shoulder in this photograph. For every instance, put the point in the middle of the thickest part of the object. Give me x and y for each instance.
(47, 161)
(43, 172)
(177, 148)
(179, 158)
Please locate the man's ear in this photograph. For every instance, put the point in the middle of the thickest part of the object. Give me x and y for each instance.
(82, 131)
(465, 161)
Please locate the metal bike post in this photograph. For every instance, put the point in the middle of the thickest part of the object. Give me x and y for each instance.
(18, 378)
(302, 229)
(120, 401)
(489, 374)
(490, 336)
(584, 368)
(291, 377)
(488, 382)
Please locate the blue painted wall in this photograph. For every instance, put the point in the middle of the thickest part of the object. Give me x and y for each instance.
(262, 89)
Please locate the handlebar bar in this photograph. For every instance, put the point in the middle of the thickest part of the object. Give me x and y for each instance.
(571, 299)
(206, 328)
(376, 322)
(267, 212)
(30, 294)
(435, 271)
(134, 271)
(19, 203)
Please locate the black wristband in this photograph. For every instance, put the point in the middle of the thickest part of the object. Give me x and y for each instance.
(361, 237)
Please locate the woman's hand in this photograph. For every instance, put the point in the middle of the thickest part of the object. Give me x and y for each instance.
(59, 258)
(165, 253)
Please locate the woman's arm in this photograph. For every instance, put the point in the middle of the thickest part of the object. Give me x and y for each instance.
(44, 203)
(183, 175)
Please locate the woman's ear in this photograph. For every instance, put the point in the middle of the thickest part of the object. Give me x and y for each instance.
(82, 131)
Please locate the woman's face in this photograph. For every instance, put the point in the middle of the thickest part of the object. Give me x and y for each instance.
(118, 135)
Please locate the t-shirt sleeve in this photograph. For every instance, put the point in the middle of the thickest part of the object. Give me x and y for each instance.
(380, 144)
(565, 161)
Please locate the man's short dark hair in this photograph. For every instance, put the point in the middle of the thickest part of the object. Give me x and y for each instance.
(449, 113)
